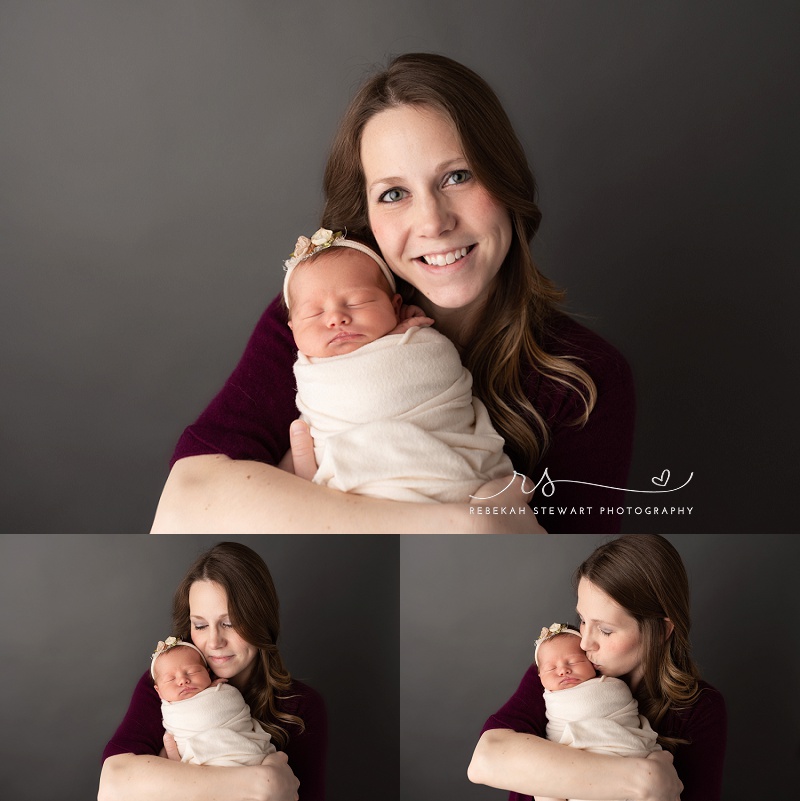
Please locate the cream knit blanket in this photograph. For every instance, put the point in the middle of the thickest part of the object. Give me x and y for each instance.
(214, 727)
(396, 419)
(599, 715)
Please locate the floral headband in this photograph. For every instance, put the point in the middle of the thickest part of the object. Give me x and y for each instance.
(167, 645)
(548, 634)
(322, 239)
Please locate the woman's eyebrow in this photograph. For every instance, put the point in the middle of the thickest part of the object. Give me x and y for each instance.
(390, 180)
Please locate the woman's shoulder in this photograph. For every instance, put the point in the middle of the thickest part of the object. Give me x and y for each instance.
(302, 700)
(606, 366)
(707, 713)
(710, 699)
(567, 337)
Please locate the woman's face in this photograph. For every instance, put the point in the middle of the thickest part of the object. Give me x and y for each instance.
(228, 655)
(437, 227)
(609, 635)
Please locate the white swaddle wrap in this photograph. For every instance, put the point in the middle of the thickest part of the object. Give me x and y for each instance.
(396, 419)
(214, 727)
(599, 715)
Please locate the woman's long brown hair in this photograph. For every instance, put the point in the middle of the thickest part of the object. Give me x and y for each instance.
(516, 319)
(645, 575)
(253, 609)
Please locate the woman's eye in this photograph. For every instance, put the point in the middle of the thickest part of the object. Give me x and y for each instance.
(197, 627)
(459, 177)
(391, 196)
(605, 633)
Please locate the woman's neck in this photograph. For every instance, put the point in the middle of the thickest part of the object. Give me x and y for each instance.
(634, 679)
(457, 325)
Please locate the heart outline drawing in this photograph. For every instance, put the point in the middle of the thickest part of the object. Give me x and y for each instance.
(661, 481)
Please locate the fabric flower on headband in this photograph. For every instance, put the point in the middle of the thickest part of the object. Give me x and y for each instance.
(321, 239)
(548, 633)
(165, 645)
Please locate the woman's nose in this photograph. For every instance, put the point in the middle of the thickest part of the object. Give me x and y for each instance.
(586, 644)
(434, 216)
(214, 638)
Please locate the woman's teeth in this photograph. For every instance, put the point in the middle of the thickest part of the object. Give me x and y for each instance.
(441, 259)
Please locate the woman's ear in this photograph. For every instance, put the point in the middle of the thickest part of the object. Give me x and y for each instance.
(669, 627)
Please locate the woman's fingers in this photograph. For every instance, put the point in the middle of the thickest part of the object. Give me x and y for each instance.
(282, 784)
(663, 783)
(171, 747)
(302, 445)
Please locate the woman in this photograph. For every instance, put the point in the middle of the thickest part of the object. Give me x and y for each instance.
(228, 606)
(633, 607)
(427, 168)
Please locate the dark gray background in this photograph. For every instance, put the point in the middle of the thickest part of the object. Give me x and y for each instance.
(82, 613)
(471, 609)
(158, 160)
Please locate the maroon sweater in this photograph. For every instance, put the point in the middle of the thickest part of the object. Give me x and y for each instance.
(141, 732)
(250, 417)
(704, 725)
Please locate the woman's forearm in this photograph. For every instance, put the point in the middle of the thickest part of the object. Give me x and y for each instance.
(524, 763)
(215, 494)
(131, 777)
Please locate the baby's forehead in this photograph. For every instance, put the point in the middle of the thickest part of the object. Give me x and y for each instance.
(180, 654)
(559, 644)
(324, 268)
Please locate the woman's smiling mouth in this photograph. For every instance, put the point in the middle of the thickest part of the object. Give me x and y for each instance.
(443, 259)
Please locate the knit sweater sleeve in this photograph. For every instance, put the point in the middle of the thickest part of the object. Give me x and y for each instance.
(141, 730)
(249, 418)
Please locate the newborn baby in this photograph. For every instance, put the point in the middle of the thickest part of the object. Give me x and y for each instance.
(209, 720)
(583, 710)
(388, 402)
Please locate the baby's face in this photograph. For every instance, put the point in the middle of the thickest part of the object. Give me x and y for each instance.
(562, 663)
(180, 674)
(339, 303)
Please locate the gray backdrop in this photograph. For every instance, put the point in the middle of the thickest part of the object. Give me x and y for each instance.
(158, 160)
(82, 613)
(471, 608)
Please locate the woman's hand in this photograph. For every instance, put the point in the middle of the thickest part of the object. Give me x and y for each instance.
(660, 780)
(304, 463)
(171, 748)
(276, 782)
